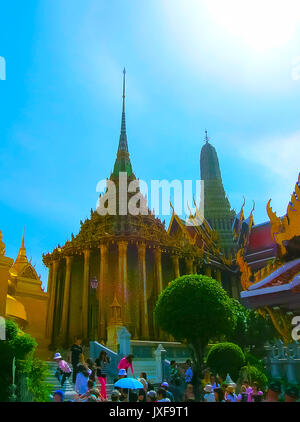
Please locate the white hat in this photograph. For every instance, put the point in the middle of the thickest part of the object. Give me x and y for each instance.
(57, 356)
(165, 384)
(208, 388)
(122, 372)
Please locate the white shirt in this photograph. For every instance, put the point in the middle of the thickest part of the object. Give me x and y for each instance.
(209, 397)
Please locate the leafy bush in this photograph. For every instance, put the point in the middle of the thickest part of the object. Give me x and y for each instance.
(37, 374)
(21, 346)
(255, 375)
(225, 358)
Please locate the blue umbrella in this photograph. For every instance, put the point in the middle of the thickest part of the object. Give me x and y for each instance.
(130, 383)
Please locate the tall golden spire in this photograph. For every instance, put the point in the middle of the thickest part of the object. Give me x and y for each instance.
(22, 258)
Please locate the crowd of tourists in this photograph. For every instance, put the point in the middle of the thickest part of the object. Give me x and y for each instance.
(90, 378)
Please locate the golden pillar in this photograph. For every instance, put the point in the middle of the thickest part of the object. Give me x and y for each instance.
(159, 283)
(66, 299)
(5, 264)
(123, 288)
(143, 290)
(157, 269)
(218, 276)
(175, 259)
(208, 271)
(85, 294)
(101, 293)
(51, 298)
(189, 265)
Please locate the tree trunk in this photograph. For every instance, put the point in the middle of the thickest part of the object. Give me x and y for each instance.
(198, 350)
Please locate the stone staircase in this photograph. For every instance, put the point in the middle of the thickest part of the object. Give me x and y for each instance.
(68, 387)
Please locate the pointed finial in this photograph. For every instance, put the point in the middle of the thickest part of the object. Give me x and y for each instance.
(23, 239)
(124, 73)
(206, 137)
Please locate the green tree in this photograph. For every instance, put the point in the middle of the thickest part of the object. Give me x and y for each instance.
(253, 374)
(252, 331)
(21, 346)
(195, 308)
(259, 331)
(224, 358)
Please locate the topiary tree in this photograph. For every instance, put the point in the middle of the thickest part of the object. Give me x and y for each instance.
(259, 331)
(224, 358)
(239, 333)
(253, 374)
(195, 308)
(252, 330)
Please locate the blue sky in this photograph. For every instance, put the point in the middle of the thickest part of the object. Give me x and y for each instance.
(190, 66)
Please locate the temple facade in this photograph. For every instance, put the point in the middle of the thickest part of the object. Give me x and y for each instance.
(22, 298)
(269, 261)
(112, 272)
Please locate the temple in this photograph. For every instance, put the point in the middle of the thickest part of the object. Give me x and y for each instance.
(269, 263)
(217, 210)
(111, 273)
(22, 298)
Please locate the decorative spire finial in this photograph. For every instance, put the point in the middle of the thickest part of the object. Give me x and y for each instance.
(123, 137)
(23, 239)
(206, 137)
(124, 73)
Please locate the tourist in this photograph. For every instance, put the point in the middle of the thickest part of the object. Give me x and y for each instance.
(174, 374)
(122, 374)
(102, 364)
(126, 363)
(243, 396)
(133, 396)
(209, 394)
(75, 356)
(231, 396)
(142, 395)
(151, 396)
(115, 396)
(175, 381)
(189, 394)
(63, 370)
(58, 396)
(189, 372)
(165, 386)
(149, 385)
(90, 390)
(213, 382)
(92, 366)
(124, 397)
(249, 390)
(144, 382)
(257, 394)
(219, 395)
(82, 378)
(162, 395)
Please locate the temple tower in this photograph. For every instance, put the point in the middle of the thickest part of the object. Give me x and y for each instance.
(217, 210)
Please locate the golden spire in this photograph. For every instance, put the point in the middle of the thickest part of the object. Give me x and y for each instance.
(2, 245)
(21, 260)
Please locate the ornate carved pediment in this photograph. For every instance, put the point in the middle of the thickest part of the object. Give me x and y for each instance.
(288, 227)
(29, 272)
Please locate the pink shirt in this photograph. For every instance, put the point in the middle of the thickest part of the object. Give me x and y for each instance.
(124, 364)
(64, 366)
